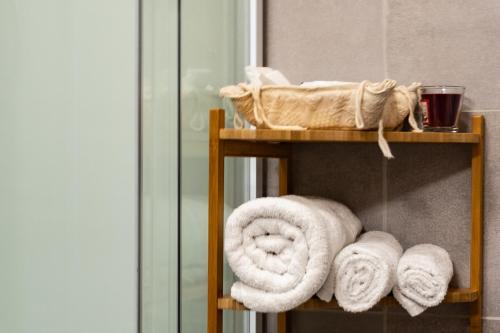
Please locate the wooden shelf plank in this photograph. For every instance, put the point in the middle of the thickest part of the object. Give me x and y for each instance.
(456, 295)
(344, 136)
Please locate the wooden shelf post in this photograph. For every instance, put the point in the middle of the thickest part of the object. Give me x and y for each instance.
(476, 245)
(215, 221)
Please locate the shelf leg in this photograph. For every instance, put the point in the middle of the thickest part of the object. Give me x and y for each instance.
(283, 176)
(476, 251)
(215, 221)
(281, 322)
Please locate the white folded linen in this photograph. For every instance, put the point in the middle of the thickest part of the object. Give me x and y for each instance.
(259, 76)
(282, 249)
(423, 275)
(366, 270)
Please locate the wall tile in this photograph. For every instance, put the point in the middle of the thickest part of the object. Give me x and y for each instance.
(333, 322)
(426, 323)
(491, 279)
(492, 215)
(436, 42)
(325, 39)
(491, 326)
(446, 42)
(429, 200)
(272, 177)
(348, 173)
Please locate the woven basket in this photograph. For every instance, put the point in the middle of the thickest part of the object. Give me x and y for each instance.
(347, 106)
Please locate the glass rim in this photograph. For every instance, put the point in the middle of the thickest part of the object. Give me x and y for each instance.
(443, 90)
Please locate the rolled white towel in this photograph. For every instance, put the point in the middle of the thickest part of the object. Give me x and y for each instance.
(366, 270)
(423, 275)
(282, 249)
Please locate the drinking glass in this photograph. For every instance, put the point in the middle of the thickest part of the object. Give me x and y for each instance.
(441, 107)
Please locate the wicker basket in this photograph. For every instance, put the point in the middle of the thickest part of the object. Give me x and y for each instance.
(346, 106)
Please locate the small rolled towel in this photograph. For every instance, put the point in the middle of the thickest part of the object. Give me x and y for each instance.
(282, 249)
(423, 275)
(366, 270)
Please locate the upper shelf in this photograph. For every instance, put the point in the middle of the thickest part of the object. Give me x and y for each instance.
(345, 136)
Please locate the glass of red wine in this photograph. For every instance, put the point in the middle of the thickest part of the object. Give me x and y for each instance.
(441, 107)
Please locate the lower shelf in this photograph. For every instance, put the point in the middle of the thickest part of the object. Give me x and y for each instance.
(455, 295)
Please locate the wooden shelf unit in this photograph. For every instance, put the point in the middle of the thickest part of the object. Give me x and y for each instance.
(277, 143)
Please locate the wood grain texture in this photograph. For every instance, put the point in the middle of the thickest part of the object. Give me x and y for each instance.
(238, 148)
(456, 295)
(215, 221)
(281, 322)
(345, 136)
(476, 246)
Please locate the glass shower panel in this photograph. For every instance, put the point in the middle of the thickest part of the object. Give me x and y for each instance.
(214, 51)
(159, 166)
(68, 166)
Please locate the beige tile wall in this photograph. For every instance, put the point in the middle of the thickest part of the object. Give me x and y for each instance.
(422, 195)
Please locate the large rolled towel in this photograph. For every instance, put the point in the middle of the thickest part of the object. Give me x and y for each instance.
(423, 275)
(366, 270)
(282, 249)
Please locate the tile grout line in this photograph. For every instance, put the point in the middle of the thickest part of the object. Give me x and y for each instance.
(384, 161)
(384, 194)
(384, 37)
(384, 227)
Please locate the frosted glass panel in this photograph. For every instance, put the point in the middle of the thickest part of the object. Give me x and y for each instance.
(159, 166)
(68, 167)
(213, 48)
(214, 51)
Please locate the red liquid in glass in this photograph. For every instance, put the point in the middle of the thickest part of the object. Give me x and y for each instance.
(442, 109)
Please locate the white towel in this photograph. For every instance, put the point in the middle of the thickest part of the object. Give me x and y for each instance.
(282, 249)
(423, 275)
(366, 270)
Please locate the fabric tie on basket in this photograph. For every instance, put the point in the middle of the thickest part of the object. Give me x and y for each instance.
(282, 249)
(366, 270)
(423, 275)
